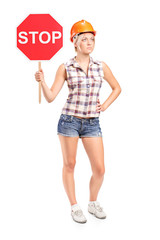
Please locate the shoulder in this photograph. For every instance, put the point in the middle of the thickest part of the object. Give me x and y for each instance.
(66, 63)
(61, 70)
(97, 64)
(108, 75)
(95, 61)
(105, 67)
(69, 62)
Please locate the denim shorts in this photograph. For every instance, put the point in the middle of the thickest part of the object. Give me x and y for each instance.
(72, 126)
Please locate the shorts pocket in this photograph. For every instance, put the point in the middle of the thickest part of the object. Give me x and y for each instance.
(66, 118)
(94, 121)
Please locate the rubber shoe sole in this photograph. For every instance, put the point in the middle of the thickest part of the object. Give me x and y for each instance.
(79, 222)
(96, 216)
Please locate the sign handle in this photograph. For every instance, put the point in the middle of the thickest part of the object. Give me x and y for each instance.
(39, 68)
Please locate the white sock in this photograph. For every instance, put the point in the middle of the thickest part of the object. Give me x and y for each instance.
(75, 206)
(92, 201)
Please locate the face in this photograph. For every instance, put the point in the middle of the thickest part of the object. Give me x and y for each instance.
(86, 43)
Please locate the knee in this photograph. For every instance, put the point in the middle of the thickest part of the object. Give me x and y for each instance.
(99, 171)
(69, 166)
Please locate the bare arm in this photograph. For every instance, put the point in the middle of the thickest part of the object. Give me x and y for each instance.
(50, 94)
(116, 89)
(60, 78)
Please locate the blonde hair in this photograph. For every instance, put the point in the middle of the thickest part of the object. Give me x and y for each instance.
(77, 39)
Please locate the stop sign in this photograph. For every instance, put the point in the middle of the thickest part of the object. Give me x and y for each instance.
(39, 36)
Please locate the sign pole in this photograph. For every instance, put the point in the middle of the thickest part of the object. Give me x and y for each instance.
(39, 68)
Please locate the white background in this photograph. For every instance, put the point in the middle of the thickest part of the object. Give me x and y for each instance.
(33, 203)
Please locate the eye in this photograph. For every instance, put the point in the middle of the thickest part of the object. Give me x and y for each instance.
(84, 39)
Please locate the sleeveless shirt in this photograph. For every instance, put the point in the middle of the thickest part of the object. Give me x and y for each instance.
(83, 88)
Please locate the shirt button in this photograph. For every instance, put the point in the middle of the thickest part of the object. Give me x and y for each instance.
(88, 85)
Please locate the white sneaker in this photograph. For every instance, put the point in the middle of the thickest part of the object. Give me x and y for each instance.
(77, 214)
(95, 209)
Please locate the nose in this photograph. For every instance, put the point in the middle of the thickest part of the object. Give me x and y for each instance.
(89, 42)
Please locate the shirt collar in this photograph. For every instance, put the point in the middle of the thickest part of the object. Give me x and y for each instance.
(73, 62)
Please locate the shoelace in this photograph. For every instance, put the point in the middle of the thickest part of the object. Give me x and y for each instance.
(78, 213)
(100, 209)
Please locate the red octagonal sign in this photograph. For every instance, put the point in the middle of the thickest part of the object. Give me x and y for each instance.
(39, 36)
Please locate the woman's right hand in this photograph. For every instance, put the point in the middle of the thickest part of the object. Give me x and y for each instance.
(39, 76)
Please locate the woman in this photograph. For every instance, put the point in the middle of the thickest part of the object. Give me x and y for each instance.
(80, 114)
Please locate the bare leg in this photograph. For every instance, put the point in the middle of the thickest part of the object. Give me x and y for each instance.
(69, 150)
(95, 151)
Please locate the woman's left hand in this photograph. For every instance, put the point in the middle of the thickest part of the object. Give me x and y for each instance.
(99, 107)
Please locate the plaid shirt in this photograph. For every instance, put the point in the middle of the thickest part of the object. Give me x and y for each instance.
(83, 89)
